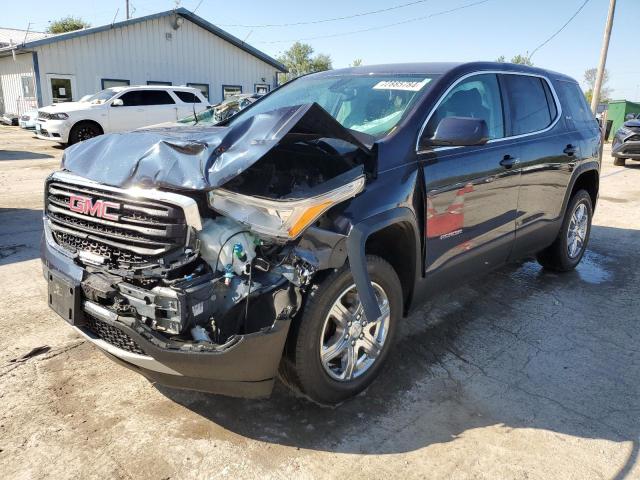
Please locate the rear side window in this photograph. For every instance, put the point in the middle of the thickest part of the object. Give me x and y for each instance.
(136, 98)
(156, 97)
(477, 97)
(531, 105)
(576, 109)
(187, 97)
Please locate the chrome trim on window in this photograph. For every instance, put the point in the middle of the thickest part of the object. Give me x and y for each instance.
(495, 140)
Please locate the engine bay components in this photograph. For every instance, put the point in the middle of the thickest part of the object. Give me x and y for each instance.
(227, 246)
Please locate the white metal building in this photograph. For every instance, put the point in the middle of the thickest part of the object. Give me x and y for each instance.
(168, 48)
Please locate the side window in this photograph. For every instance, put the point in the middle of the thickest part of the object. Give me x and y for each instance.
(156, 97)
(531, 104)
(577, 110)
(477, 97)
(131, 99)
(187, 97)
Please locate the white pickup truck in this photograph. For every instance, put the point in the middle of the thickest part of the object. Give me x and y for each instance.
(117, 109)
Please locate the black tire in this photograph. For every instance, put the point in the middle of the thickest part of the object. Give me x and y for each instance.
(619, 162)
(302, 368)
(556, 257)
(83, 131)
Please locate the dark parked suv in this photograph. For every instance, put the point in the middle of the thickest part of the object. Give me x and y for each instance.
(296, 235)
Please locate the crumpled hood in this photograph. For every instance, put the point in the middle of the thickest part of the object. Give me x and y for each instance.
(196, 157)
(632, 123)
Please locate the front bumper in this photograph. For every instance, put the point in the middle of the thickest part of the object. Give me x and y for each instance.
(53, 130)
(245, 366)
(626, 149)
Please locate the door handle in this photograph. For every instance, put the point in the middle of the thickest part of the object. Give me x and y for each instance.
(570, 150)
(508, 161)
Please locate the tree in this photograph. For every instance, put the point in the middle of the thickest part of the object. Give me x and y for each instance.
(590, 81)
(522, 60)
(519, 59)
(356, 63)
(299, 60)
(67, 24)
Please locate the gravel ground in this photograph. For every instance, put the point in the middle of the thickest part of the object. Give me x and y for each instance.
(522, 374)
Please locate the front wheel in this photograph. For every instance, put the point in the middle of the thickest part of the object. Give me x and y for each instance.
(566, 252)
(83, 131)
(619, 162)
(334, 351)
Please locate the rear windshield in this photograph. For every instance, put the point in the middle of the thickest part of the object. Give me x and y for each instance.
(371, 104)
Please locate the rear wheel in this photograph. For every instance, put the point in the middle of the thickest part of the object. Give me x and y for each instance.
(83, 131)
(567, 250)
(619, 162)
(334, 352)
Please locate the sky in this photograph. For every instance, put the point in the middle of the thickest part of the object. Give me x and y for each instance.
(483, 31)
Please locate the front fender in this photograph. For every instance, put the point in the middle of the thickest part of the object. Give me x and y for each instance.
(356, 243)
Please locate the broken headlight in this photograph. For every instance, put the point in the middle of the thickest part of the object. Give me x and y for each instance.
(284, 219)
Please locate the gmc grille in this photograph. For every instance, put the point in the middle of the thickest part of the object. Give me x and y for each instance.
(135, 232)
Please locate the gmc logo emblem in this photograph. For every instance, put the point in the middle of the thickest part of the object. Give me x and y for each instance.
(95, 208)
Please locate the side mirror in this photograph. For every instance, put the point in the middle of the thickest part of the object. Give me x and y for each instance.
(460, 132)
(117, 103)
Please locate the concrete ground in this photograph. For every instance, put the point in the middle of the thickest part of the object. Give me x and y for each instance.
(522, 374)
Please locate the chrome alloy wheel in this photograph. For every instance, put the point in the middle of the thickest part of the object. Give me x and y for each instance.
(350, 344)
(577, 231)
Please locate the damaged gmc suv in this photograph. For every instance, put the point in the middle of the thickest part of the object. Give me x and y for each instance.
(294, 236)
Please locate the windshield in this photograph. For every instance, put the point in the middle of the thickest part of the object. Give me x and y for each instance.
(101, 96)
(371, 104)
(206, 116)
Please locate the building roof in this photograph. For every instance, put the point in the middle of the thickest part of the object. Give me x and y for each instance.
(182, 12)
(16, 36)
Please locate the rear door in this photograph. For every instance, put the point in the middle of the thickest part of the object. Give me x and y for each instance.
(160, 107)
(548, 155)
(580, 120)
(471, 191)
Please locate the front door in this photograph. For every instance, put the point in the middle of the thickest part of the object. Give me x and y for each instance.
(62, 87)
(141, 108)
(472, 192)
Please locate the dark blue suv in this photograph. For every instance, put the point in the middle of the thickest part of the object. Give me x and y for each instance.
(294, 236)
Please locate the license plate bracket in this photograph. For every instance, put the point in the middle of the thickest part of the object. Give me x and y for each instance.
(65, 299)
(38, 128)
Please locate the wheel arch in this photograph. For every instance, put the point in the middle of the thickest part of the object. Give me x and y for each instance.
(586, 177)
(392, 235)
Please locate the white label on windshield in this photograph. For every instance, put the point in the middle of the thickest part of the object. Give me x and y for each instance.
(401, 85)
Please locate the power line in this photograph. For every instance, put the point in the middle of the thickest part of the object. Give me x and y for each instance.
(379, 27)
(325, 20)
(197, 7)
(561, 28)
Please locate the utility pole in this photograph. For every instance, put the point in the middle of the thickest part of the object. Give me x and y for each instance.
(603, 57)
(127, 2)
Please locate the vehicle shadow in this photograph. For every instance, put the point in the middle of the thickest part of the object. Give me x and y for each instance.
(521, 348)
(20, 234)
(22, 155)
